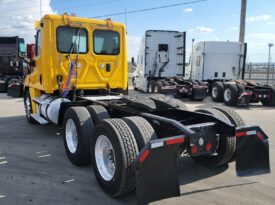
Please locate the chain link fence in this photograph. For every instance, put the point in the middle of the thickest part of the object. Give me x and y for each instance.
(259, 72)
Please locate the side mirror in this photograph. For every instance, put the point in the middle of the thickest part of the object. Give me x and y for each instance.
(30, 51)
(133, 61)
(21, 55)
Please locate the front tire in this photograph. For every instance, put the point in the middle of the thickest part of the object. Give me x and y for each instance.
(113, 151)
(28, 108)
(77, 133)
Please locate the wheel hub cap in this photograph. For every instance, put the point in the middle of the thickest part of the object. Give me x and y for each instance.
(227, 94)
(105, 157)
(214, 92)
(71, 136)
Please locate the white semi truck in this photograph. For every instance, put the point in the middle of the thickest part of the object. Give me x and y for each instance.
(222, 66)
(161, 66)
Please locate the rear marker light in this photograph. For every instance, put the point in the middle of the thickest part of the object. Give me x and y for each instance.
(260, 136)
(240, 134)
(144, 156)
(194, 149)
(175, 141)
(208, 147)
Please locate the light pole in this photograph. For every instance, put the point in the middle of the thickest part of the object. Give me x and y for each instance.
(242, 22)
(269, 59)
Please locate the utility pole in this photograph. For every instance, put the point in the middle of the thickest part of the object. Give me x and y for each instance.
(242, 22)
(40, 10)
(269, 59)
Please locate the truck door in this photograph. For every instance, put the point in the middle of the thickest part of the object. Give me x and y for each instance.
(36, 75)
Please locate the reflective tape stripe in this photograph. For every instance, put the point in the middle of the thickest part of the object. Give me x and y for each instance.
(251, 132)
(157, 144)
(243, 134)
(144, 155)
(175, 141)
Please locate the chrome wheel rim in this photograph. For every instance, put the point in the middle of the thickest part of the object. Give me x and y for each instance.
(28, 106)
(214, 92)
(227, 94)
(105, 157)
(71, 136)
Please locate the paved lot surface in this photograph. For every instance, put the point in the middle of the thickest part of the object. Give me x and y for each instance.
(34, 168)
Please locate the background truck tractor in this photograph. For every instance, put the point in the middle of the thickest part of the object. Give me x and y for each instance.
(77, 77)
(161, 66)
(222, 65)
(12, 49)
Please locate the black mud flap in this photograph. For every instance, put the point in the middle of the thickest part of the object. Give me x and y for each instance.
(244, 98)
(199, 92)
(15, 88)
(252, 152)
(156, 170)
(3, 85)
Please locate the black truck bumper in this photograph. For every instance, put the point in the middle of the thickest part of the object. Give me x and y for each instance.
(157, 171)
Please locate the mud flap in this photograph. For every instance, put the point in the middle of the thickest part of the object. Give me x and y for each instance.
(252, 152)
(199, 92)
(156, 170)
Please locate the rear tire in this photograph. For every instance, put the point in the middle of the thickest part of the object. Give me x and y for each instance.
(97, 112)
(233, 116)
(231, 94)
(141, 129)
(226, 148)
(217, 92)
(159, 85)
(115, 174)
(77, 133)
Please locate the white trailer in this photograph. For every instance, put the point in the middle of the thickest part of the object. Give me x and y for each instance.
(222, 65)
(217, 60)
(161, 65)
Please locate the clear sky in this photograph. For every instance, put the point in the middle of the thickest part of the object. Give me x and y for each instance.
(207, 20)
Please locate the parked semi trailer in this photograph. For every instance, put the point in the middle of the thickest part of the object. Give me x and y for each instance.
(161, 66)
(12, 49)
(222, 66)
(133, 142)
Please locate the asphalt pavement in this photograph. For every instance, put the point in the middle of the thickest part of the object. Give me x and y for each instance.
(34, 168)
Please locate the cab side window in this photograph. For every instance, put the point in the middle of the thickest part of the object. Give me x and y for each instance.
(38, 43)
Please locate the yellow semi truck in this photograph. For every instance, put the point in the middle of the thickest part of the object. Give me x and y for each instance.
(78, 79)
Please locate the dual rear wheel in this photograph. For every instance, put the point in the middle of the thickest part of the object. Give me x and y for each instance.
(226, 144)
(110, 144)
(227, 93)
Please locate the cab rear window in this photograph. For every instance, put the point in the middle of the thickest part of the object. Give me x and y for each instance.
(106, 42)
(72, 40)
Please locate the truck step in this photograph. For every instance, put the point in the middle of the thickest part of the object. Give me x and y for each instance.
(39, 101)
(39, 119)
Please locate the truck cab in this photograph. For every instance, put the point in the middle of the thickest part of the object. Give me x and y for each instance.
(76, 56)
(216, 60)
(161, 55)
(12, 51)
